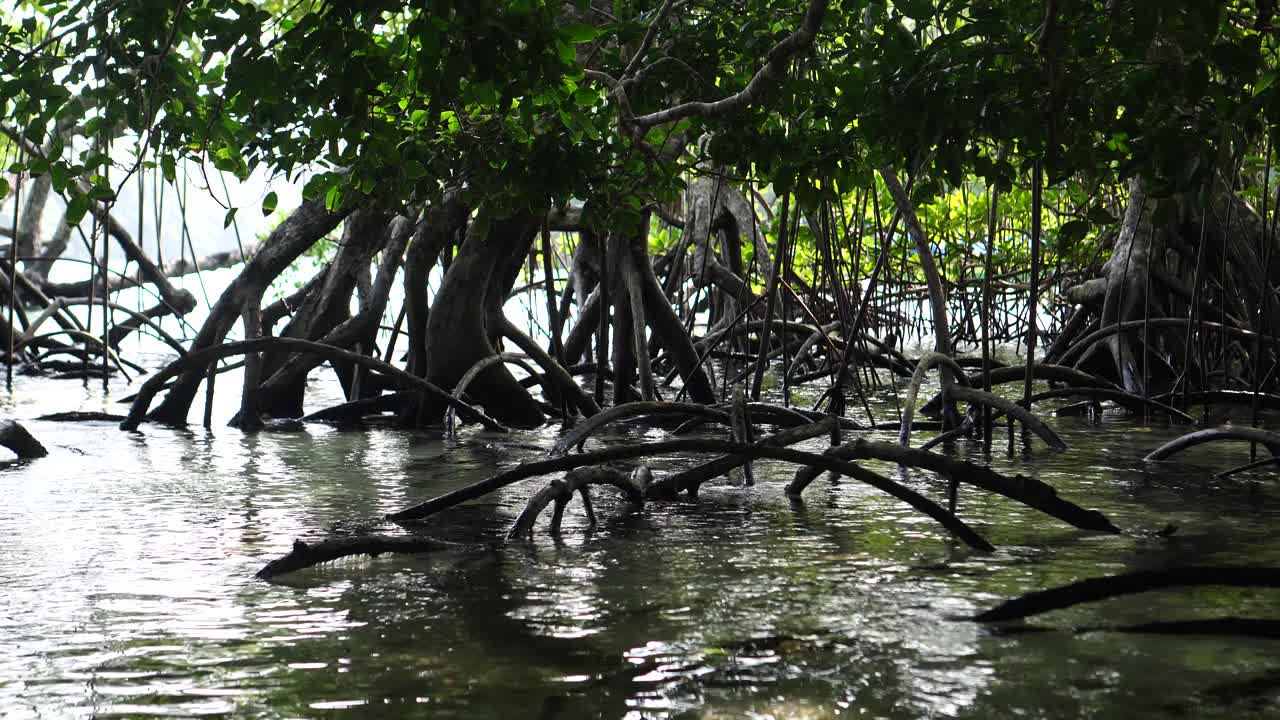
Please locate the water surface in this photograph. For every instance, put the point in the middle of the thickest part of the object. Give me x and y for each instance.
(128, 559)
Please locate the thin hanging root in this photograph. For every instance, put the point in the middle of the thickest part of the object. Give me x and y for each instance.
(305, 555)
(584, 430)
(740, 427)
(560, 491)
(1267, 439)
(922, 368)
(955, 525)
(1095, 589)
(965, 428)
(1028, 491)
(1033, 423)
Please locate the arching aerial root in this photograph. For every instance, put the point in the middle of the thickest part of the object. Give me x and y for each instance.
(1031, 422)
(926, 363)
(928, 507)
(1269, 440)
(560, 492)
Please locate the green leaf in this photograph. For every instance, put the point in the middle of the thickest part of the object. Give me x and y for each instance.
(58, 177)
(77, 208)
(333, 198)
(168, 167)
(580, 33)
(269, 203)
(4, 187)
(915, 9)
(1072, 232)
(450, 119)
(414, 169)
(1099, 216)
(230, 218)
(1264, 83)
(103, 192)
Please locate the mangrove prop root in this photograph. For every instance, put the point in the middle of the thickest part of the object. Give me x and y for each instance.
(560, 491)
(1028, 491)
(1075, 351)
(909, 407)
(474, 371)
(583, 430)
(1127, 400)
(568, 462)
(764, 413)
(355, 410)
(200, 359)
(694, 477)
(1039, 371)
(1225, 397)
(305, 555)
(1265, 438)
(1033, 423)
(18, 439)
(1094, 589)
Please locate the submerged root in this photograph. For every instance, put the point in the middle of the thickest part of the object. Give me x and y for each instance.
(305, 555)
(18, 439)
(1028, 491)
(1094, 589)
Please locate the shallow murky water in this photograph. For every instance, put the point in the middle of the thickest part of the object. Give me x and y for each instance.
(127, 561)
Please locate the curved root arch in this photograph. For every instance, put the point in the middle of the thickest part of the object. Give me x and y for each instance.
(946, 519)
(474, 371)
(561, 491)
(926, 363)
(585, 429)
(1269, 440)
(1031, 422)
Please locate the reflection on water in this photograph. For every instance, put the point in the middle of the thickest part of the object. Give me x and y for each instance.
(127, 567)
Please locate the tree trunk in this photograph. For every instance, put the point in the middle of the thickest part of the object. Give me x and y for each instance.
(299, 231)
(461, 328)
